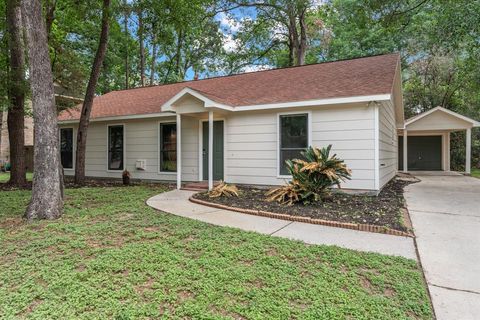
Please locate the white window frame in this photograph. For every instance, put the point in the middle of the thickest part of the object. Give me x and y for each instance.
(124, 145)
(159, 123)
(74, 146)
(309, 133)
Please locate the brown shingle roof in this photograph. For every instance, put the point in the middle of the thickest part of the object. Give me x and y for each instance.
(346, 78)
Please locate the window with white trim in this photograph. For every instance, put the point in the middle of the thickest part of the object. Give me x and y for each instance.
(168, 147)
(115, 147)
(66, 147)
(293, 138)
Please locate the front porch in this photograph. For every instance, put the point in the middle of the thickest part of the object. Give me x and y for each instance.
(424, 142)
(203, 122)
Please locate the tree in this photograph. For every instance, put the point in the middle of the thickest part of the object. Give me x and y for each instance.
(279, 33)
(47, 192)
(140, 33)
(16, 94)
(89, 95)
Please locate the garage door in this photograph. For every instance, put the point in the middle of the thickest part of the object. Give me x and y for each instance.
(424, 153)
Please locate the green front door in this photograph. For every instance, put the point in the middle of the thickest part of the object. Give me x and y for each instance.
(424, 153)
(217, 150)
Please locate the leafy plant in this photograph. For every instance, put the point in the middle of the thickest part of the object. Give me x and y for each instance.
(312, 177)
(223, 190)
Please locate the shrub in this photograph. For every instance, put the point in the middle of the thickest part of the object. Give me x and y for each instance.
(312, 177)
(223, 190)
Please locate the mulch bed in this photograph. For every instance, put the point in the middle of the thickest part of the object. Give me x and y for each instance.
(89, 183)
(386, 210)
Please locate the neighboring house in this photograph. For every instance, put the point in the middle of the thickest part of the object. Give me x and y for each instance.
(5, 145)
(62, 100)
(252, 122)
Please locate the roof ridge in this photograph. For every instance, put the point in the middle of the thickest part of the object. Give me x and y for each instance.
(255, 72)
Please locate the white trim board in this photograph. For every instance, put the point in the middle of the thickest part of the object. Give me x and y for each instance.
(301, 103)
(449, 112)
(125, 117)
(168, 106)
(168, 111)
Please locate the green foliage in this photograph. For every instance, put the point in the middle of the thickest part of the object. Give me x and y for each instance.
(312, 177)
(111, 256)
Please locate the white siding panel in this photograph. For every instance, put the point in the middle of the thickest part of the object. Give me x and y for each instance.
(252, 145)
(142, 140)
(388, 144)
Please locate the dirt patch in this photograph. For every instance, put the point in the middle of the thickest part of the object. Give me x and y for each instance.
(387, 209)
(145, 286)
(7, 223)
(366, 284)
(185, 295)
(389, 292)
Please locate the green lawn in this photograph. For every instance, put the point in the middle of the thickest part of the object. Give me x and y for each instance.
(475, 172)
(111, 256)
(5, 176)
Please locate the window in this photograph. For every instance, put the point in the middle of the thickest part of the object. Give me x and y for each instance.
(66, 147)
(115, 147)
(293, 138)
(168, 147)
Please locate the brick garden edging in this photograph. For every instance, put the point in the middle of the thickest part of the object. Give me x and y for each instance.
(329, 223)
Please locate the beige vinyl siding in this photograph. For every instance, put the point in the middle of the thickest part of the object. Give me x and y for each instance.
(388, 144)
(141, 143)
(252, 143)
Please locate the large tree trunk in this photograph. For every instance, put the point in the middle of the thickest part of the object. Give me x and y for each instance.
(89, 95)
(16, 95)
(142, 47)
(47, 196)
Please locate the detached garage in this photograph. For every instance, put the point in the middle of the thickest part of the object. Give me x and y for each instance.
(424, 142)
(424, 153)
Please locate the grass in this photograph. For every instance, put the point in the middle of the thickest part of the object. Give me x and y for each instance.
(111, 256)
(5, 176)
(475, 172)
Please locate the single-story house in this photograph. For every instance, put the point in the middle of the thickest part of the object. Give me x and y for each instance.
(242, 128)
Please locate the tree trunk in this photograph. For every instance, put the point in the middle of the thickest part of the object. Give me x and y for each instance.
(293, 37)
(178, 56)
(89, 96)
(47, 199)
(302, 45)
(154, 57)
(125, 22)
(16, 95)
(50, 7)
(142, 47)
(1, 131)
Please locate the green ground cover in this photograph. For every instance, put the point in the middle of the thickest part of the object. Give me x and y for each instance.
(111, 256)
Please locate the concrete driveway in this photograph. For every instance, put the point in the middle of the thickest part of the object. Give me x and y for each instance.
(445, 213)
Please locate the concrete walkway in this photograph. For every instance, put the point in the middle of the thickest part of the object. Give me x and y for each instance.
(445, 213)
(176, 202)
